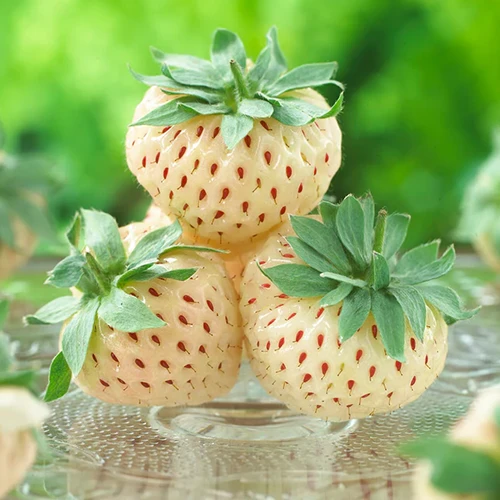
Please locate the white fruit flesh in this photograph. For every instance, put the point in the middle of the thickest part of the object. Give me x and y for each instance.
(487, 251)
(230, 196)
(192, 360)
(477, 430)
(19, 413)
(10, 258)
(295, 352)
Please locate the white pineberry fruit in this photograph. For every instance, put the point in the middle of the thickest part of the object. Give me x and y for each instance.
(477, 431)
(296, 354)
(191, 360)
(231, 196)
(20, 413)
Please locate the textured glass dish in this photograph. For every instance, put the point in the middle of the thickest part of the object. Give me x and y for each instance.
(248, 445)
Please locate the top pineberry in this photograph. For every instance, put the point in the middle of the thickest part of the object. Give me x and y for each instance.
(229, 147)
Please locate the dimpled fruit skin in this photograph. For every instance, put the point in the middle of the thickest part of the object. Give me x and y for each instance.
(192, 360)
(295, 351)
(17, 454)
(478, 431)
(11, 259)
(229, 196)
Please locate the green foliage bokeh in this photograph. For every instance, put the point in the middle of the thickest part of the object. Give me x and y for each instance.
(423, 88)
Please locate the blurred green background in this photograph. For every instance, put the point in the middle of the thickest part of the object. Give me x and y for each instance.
(422, 76)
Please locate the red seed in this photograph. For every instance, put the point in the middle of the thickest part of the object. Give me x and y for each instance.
(185, 207)
(274, 193)
(262, 217)
(157, 158)
(413, 344)
(339, 311)
(259, 183)
(140, 363)
(281, 343)
(335, 400)
(288, 255)
(171, 194)
(164, 364)
(288, 171)
(264, 124)
(365, 395)
(252, 300)
(214, 168)
(169, 382)
(326, 158)
(155, 339)
(244, 206)
(390, 395)
(216, 132)
(203, 193)
(202, 349)
(206, 327)
(413, 380)
(398, 366)
(301, 187)
(302, 357)
(225, 193)
(133, 336)
(372, 371)
(350, 384)
(145, 384)
(158, 315)
(283, 296)
(241, 172)
(121, 381)
(315, 171)
(271, 322)
(199, 221)
(210, 305)
(359, 354)
(188, 298)
(283, 366)
(114, 358)
(426, 359)
(103, 382)
(374, 331)
(144, 161)
(320, 312)
(183, 319)
(181, 346)
(166, 129)
(199, 131)
(94, 358)
(184, 181)
(321, 339)
(268, 345)
(165, 173)
(299, 335)
(266, 285)
(154, 292)
(218, 214)
(248, 141)
(324, 368)
(181, 152)
(307, 377)
(267, 156)
(176, 135)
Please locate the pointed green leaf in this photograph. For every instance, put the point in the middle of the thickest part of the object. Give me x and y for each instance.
(430, 271)
(124, 312)
(345, 279)
(58, 310)
(76, 335)
(355, 310)
(155, 272)
(256, 108)
(156, 80)
(235, 128)
(195, 248)
(381, 276)
(181, 60)
(351, 229)
(206, 109)
(390, 320)
(308, 75)
(6, 230)
(227, 46)
(413, 306)
(310, 256)
(74, 232)
(59, 379)
(103, 238)
(4, 312)
(417, 257)
(336, 295)
(201, 93)
(396, 227)
(368, 206)
(447, 301)
(68, 272)
(457, 469)
(322, 239)
(169, 113)
(277, 65)
(127, 276)
(328, 212)
(296, 280)
(196, 77)
(257, 72)
(153, 244)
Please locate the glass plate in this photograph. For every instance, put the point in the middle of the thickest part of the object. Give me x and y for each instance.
(248, 445)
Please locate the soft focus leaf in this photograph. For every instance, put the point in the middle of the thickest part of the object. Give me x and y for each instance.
(67, 272)
(59, 378)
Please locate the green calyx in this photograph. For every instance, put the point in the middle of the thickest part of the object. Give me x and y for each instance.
(225, 86)
(21, 177)
(25, 379)
(458, 469)
(99, 268)
(350, 257)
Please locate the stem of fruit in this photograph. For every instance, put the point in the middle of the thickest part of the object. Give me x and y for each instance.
(98, 274)
(378, 243)
(241, 87)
